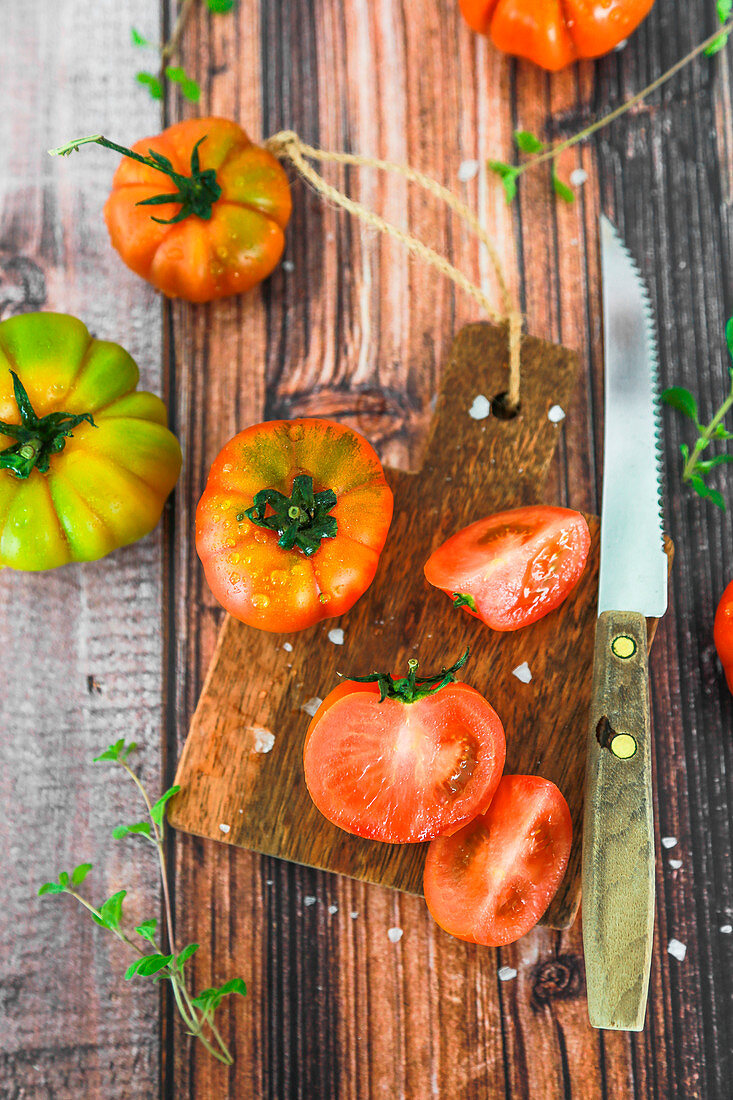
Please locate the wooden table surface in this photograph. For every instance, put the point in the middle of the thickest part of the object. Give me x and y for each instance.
(351, 328)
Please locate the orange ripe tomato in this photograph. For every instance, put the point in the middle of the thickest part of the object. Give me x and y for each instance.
(723, 633)
(292, 522)
(554, 33)
(237, 199)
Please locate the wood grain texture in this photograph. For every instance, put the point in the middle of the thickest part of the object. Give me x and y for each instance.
(336, 1009)
(618, 827)
(83, 646)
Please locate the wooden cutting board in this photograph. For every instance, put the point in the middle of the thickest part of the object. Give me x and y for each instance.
(259, 682)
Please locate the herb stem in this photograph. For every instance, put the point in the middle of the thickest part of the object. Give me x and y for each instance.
(555, 150)
(706, 434)
(169, 48)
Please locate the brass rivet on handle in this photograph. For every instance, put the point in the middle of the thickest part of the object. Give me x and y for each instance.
(623, 746)
(623, 646)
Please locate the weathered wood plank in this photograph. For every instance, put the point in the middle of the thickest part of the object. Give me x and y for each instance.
(83, 650)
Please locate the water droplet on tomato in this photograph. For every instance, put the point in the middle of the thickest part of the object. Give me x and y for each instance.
(260, 601)
(278, 576)
(226, 468)
(234, 578)
(233, 559)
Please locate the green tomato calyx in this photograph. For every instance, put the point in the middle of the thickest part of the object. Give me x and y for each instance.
(301, 520)
(37, 438)
(464, 599)
(412, 688)
(196, 193)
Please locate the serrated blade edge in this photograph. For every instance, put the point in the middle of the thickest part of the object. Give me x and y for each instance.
(633, 574)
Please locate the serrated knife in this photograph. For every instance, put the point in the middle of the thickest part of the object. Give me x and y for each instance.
(618, 833)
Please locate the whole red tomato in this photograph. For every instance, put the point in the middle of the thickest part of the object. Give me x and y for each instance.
(492, 881)
(515, 567)
(223, 230)
(723, 633)
(403, 760)
(554, 33)
(292, 522)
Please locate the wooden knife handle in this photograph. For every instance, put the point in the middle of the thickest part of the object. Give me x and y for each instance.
(618, 832)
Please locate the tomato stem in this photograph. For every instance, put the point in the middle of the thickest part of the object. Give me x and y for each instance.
(412, 688)
(301, 520)
(36, 438)
(196, 193)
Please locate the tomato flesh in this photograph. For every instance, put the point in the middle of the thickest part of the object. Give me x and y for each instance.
(515, 567)
(403, 772)
(491, 882)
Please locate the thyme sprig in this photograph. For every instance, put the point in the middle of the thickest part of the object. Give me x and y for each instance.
(167, 51)
(165, 962)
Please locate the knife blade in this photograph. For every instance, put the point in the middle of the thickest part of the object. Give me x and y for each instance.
(618, 832)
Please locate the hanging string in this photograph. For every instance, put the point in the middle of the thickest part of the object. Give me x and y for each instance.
(287, 144)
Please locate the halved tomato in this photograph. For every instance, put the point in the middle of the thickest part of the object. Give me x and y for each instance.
(492, 881)
(513, 568)
(419, 763)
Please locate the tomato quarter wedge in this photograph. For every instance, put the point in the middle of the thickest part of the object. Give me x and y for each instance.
(400, 771)
(491, 882)
(511, 569)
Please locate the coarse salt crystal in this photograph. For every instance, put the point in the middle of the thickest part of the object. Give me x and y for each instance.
(621, 46)
(556, 414)
(288, 265)
(675, 864)
(333, 909)
(264, 739)
(578, 177)
(506, 973)
(467, 170)
(288, 647)
(336, 635)
(309, 900)
(522, 672)
(312, 705)
(394, 935)
(677, 950)
(225, 828)
(269, 881)
(355, 914)
(669, 841)
(726, 929)
(481, 408)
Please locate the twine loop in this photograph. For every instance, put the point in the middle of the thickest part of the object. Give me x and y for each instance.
(286, 144)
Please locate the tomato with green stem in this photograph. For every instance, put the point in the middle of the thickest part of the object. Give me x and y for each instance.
(199, 210)
(406, 759)
(514, 567)
(292, 522)
(491, 882)
(87, 460)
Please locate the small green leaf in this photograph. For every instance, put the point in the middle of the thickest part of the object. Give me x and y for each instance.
(111, 911)
(699, 485)
(190, 90)
(119, 751)
(561, 189)
(234, 985)
(527, 142)
(142, 827)
(685, 452)
(205, 998)
(80, 873)
(717, 498)
(717, 45)
(186, 954)
(147, 930)
(710, 463)
(509, 174)
(133, 968)
(158, 811)
(729, 336)
(724, 9)
(175, 73)
(151, 81)
(51, 888)
(681, 400)
(137, 38)
(220, 7)
(151, 964)
(722, 432)
(64, 878)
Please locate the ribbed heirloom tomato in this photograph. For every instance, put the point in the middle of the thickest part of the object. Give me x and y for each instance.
(406, 759)
(492, 881)
(515, 567)
(88, 460)
(292, 522)
(220, 231)
(554, 33)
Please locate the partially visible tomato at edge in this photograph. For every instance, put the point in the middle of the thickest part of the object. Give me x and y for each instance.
(403, 772)
(514, 567)
(251, 574)
(491, 882)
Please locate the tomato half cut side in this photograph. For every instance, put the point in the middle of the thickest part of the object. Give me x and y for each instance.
(403, 772)
(491, 882)
(513, 568)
